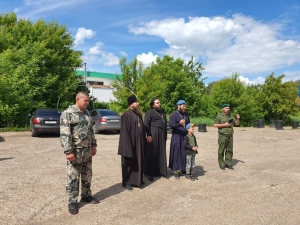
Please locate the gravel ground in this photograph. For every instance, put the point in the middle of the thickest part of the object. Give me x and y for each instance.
(263, 188)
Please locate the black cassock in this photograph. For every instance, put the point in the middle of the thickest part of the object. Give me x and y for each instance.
(156, 159)
(132, 148)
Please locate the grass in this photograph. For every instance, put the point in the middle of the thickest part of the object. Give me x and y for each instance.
(14, 129)
(198, 120)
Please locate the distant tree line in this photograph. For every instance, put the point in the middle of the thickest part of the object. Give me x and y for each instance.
(38, 64)
(172, 79)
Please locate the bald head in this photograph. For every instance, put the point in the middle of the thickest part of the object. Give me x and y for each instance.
(82, 94)
(82, 100)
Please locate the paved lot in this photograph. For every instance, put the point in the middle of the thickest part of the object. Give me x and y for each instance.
(263, 189)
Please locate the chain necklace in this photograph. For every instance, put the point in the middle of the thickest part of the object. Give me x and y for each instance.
(160, 115)
(136, 117)
(181, 117)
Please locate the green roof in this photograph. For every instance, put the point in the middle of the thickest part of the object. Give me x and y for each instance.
(97, 74)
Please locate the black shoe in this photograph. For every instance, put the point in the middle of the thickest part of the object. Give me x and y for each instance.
(73, 208)
(222, 167)
(150, 178)
(193, 177)
(127, 187)
(230, 167)
(90, 199)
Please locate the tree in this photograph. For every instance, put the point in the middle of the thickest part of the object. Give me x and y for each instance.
(37, 64)
(235, 92)
(170, 80)
(125, 85)
(277, 99)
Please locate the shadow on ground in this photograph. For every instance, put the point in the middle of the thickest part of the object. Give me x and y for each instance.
(47, 136)
(2, 159)
(108, 133)
(199, 171)
(236, 161)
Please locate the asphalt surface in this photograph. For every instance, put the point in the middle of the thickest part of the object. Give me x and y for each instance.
(263, 188)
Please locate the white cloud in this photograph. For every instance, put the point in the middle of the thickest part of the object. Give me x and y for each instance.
(109, 59)
(41, 6)
(83, 33)
(258, 80)
(95, 50)
(123, 53)
(147, 59)
(96, 55)
(225, 45)
(291, 75)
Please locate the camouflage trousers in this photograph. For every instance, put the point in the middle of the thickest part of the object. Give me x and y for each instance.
(190, 164)
(225, 148)
(79, 169)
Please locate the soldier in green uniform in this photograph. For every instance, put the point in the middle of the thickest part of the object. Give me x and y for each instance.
(225, 122)
(79, 144)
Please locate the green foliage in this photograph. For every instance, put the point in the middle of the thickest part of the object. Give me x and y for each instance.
(98, 105)
(126, 85)
(198, 120)
(277, 99)
(37, 65)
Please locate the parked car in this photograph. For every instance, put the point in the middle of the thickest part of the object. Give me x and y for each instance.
(106, 120)
(44, 121)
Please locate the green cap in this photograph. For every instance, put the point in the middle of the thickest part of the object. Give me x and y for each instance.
(225, 105)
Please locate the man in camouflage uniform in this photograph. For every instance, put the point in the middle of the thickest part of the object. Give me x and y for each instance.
(224, 122)
(79, 144)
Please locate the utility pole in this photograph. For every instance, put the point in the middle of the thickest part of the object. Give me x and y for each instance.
(84, 76)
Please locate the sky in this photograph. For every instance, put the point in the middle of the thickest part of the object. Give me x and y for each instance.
(252, 37)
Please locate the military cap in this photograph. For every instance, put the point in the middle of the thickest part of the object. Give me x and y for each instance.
(225, 105)
(180, 102)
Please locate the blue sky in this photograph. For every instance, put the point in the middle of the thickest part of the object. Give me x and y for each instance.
(253, 38)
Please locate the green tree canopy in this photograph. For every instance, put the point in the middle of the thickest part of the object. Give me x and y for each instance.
(37, 64)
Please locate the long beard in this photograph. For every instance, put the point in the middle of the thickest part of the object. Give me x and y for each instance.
(137, 111)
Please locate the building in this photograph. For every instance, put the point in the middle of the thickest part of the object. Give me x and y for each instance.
(99, 84)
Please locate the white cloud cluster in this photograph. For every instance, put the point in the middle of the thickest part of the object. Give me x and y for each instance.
(96, 55)
(147, 59)
(83, 33)
(258, 80)
(225, 45)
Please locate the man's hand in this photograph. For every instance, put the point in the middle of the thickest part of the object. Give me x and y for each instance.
(182, 122)
(70, 156)
(149, 139)
(94, 151)
(227, 124)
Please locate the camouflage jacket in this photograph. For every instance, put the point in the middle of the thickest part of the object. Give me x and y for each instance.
(221, 118)
(76, 129)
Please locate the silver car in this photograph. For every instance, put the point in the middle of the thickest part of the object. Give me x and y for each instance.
(106, 120)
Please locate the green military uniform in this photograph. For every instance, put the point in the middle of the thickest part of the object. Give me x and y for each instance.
(225, 139)
(77, 136)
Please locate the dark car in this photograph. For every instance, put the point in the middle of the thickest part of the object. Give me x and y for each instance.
(45, 121)
(106, 120)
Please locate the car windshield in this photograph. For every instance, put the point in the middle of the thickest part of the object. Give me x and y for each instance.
(48, 113)
(107, 113)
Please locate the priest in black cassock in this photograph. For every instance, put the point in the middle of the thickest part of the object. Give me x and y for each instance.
(156, 129)
(132, 145)
(178, 119)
